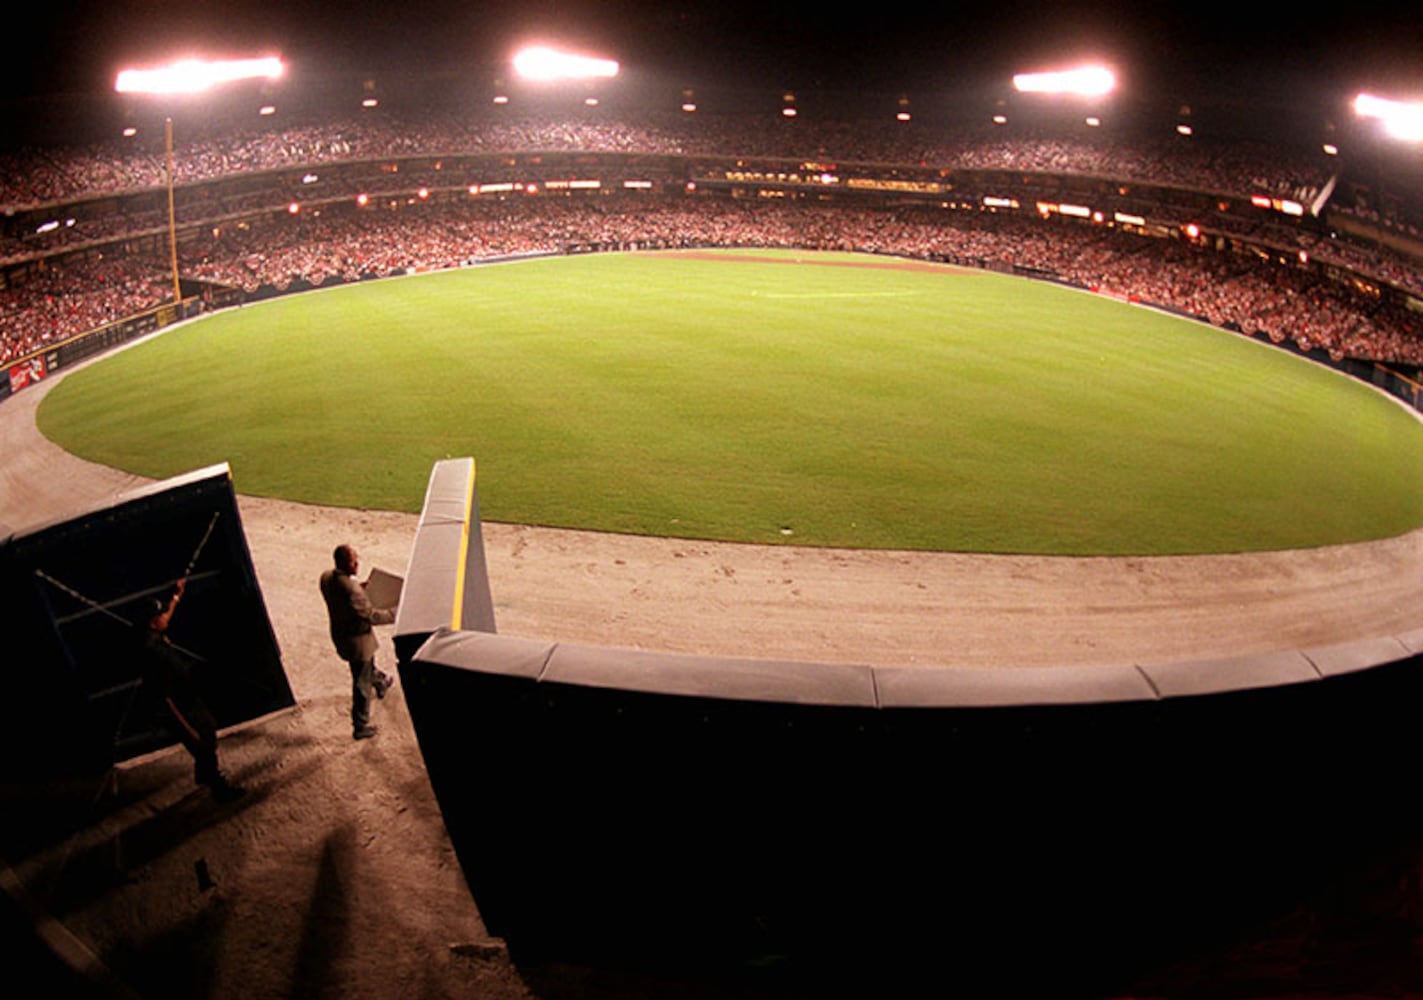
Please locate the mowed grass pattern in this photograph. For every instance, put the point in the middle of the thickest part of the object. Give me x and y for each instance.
(817, 399)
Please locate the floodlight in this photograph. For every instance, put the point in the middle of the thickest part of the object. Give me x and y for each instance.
(1401, 119)
(1086, 81)
(190, 76)
(541, 63)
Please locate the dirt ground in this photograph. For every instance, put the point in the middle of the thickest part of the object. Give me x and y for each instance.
(334, 876)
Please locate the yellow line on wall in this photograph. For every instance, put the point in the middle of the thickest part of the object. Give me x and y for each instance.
(457, 612)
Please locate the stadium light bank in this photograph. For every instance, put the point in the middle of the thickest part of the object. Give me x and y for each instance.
(190, 76)
(1401, 119)
(541, 63)
(1084, 81)
(193, 76)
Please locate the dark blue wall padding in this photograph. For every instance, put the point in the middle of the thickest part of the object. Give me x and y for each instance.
(652, 821)
(1038, 828)
(77, 589)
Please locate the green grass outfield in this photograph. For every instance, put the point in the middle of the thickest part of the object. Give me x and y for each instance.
(816, 399)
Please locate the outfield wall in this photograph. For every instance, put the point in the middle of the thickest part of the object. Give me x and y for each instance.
(36, 367)
(78, 592)
(650, 808)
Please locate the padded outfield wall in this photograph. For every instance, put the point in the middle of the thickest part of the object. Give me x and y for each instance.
(1022, 825)
(77, 592)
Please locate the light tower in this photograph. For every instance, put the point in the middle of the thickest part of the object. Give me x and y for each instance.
(189, 76)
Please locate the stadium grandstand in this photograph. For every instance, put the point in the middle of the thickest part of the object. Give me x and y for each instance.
(1297, 245)
(112, 230)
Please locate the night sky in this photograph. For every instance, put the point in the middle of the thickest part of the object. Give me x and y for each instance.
(1274, 50)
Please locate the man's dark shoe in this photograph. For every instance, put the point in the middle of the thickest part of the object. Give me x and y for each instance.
(383, 683)
(224, 790)
(364, 733)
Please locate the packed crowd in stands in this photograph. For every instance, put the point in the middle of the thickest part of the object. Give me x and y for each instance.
(50, 176)
(1236, 291)
(54, 176)
(68, 296)
(59, 302)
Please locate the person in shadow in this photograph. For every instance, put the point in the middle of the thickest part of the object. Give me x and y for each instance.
(168, 670)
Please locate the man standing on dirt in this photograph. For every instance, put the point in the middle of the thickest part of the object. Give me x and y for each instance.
(352, 618)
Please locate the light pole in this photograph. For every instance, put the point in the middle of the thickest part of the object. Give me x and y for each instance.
(172, 214)
(189, 76)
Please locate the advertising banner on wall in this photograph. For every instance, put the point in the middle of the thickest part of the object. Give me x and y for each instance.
(27, 372)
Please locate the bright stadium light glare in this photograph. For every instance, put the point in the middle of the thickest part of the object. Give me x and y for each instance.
(185, 77)
(1401, 119)
(1085, 81)
(542, 63)
(192, 76)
